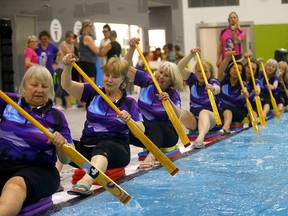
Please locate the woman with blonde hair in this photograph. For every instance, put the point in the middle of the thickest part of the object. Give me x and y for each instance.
(158, 127)
(201, 115)
(30, 55)
(105, 137)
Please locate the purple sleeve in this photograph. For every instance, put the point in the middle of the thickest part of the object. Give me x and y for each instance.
(142, 79)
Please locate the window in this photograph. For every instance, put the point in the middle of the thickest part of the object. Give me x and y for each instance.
(213, 3)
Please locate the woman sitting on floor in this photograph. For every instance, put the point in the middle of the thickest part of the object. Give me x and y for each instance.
(105, 137)
(201, 115)
(158, 127)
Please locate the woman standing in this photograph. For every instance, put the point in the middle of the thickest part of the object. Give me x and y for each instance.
(67, 46)
(88, 50)
(30, 55)
(48, 51)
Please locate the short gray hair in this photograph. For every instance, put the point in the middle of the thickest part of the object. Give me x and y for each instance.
(40, 73)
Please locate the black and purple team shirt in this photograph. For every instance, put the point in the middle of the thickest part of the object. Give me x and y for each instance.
(199, 98)
(102, 120)
(150, 106)
(271, 80)
(231, 95)
(20, 141)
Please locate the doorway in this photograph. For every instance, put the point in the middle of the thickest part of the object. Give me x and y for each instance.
(25, 25)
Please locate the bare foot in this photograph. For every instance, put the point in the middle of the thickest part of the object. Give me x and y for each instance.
(148, 162)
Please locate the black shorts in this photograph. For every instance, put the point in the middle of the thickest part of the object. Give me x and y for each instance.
(116, 151)
(41, 180)
(88, 68)
(239, 113)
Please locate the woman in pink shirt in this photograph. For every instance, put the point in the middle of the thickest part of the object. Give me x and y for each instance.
(30, 56)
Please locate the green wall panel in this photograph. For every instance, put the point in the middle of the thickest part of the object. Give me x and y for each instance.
(269, 38)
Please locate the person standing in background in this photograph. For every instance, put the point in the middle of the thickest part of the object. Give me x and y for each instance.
(49, 51)
(30, 55)
(88, 50)
(113, 49)
(104, 42)
(231, 38)
(66, 46)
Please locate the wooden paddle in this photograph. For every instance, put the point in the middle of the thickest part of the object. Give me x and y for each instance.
(273, 101)
(249, 107)
(210, 94)
(76, 157)
(257, 98)
(284, 86)
(158, 154)
(167, 105)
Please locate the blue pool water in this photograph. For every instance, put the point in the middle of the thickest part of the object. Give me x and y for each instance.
(246, 174)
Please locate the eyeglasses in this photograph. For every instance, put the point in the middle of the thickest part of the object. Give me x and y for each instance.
(104, 31)
(90, 25)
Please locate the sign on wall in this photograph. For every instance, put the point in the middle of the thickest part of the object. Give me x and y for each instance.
(56, 30)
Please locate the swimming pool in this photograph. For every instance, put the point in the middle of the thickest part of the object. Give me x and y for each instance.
(243, 175)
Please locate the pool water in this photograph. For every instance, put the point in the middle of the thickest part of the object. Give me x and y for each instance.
(246, 174)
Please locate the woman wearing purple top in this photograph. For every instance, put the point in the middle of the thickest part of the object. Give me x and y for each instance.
(105, 137)
(158, 127)
(48, 51)
(248, 76)
(201, 115)
(271, 68)
(233, 98)
(28, 157)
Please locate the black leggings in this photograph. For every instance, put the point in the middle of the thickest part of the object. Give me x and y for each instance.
(60, 92)
(162, 134)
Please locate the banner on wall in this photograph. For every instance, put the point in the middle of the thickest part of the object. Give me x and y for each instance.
(77, 27)
(56, 30)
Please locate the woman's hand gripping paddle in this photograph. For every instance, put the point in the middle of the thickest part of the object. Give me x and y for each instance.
(76, 157)
(273, 101)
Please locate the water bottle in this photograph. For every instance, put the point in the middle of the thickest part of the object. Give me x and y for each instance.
(43, 59)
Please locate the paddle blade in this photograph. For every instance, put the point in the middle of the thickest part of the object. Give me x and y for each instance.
(275, 107)
(158, 154)
(252, 117)
(96, 174)
(260, 111)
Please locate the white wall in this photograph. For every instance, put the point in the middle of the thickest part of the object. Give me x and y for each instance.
(257, 11)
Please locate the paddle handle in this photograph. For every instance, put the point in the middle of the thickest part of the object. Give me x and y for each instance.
(284, 86)
(210, 93)
(75, 156)
(167, 105)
